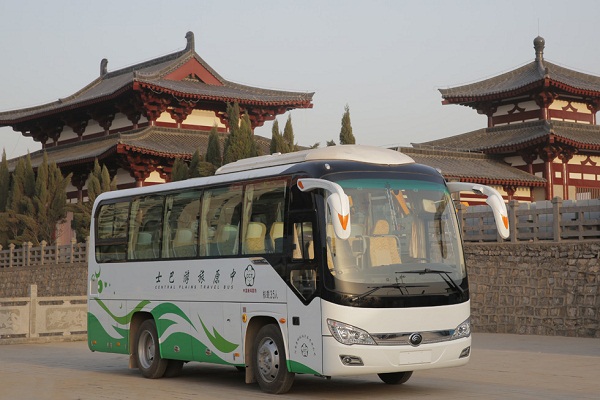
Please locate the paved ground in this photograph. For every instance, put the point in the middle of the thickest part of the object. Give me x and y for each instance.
(501, 367)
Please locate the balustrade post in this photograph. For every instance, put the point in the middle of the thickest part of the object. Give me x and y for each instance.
(73, 241)
(556, 218)
(42, 251)
(33, 311)
(513, 206)
(56, 253)
(11, 250)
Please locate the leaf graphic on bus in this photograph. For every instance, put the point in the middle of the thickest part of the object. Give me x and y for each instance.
(125, 319)
(222, 344)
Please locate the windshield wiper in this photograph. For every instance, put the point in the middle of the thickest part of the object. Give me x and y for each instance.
(445, 276)
(371, 290)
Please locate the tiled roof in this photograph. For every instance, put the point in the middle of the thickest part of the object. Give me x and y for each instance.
(507, 138)
(520, 80)
(157, 141)
(111, 84)
(472, 167)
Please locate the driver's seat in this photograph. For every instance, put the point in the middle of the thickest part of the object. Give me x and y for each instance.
(383, 247)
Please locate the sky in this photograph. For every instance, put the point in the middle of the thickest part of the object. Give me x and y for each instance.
(386, 60)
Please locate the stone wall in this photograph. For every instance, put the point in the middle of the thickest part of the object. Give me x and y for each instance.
(51, 280)
(535, 288)
(523, 288)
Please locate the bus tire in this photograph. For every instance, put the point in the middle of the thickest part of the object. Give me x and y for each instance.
(270, 366)
(395, 378)
(147, 352)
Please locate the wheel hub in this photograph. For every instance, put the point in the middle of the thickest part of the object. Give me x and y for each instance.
(268, 359)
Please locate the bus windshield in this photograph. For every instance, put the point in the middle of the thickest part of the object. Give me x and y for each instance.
(404, 237)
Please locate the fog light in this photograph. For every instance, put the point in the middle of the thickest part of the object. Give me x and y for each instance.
(351, 360)
(465, 353)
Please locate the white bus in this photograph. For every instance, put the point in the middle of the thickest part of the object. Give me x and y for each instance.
(345, 260)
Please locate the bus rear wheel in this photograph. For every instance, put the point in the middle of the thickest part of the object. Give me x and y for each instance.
(269, 360)
(395, 378)
(147, 352)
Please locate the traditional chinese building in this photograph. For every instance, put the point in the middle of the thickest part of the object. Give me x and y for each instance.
(138, 120)
(541, 119)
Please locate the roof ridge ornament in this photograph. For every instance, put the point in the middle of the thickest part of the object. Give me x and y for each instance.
(190, 41)
(539, 44)
(103, 67)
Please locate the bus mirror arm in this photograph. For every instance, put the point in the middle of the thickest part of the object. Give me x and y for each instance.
(337, 200)
(493, 199)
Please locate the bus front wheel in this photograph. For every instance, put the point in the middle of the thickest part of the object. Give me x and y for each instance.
(270, 364)
(395, 378)
(147, 353)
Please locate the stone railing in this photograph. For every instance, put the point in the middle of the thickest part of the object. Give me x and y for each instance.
(554, 220)
(27, 255)
(42, 318)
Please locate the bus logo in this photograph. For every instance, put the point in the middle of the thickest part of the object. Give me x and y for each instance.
(415, 339)
(249, 274)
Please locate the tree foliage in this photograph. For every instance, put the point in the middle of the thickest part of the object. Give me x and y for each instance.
(98, 182)
(213, 150)
(4, 182)
(346, 136)
(180, 170)
(276, 139)
(288, 136)
(36, 202)
(240, 142)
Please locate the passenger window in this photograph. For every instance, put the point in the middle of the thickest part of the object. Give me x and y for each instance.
(182, 216)
(220, 221)
(263, 217)
(145, 227)
(111, 232)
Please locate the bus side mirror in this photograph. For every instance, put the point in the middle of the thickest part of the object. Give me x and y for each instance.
(337, 200)
(494, 200)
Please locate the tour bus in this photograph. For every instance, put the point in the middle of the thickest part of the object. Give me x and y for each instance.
(338, 261)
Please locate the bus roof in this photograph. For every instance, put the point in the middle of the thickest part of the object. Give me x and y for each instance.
(351, 152)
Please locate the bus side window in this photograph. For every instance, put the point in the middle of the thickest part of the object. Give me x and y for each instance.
(263, 217)
(111, 232)
(145, 228)
(220, 221)
(180, 232)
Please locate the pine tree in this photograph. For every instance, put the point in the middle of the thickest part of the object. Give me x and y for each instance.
(346, 136)
(213, 150)
(288, 136)
(4, 182)
(240, 142)
(180, 170)
(276, 139)
(20, 206)
(194, 167)
(52, 206)
(98, 182)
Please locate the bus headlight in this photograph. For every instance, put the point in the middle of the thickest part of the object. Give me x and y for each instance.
(348, 334)
(463, 330)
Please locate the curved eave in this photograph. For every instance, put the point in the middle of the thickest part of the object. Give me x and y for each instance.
(291, 102)
(123, 148)
(500, 182)
(546, 83)
(552, 138)
(515, 146)
(66, 107)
